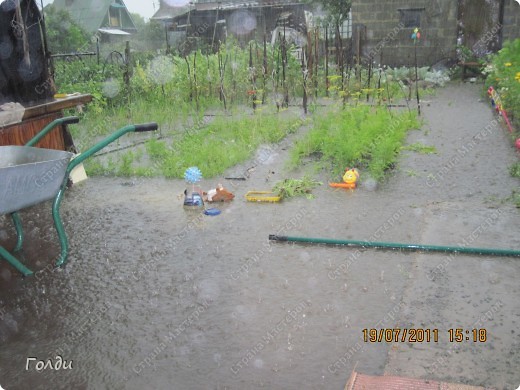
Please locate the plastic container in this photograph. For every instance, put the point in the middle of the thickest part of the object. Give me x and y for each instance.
(262, 196)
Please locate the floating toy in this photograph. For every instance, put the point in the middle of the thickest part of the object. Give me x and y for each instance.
(219, 194)
(192, 176)
(193, 200)
(212, 212)
(262, 196)
(350, 178)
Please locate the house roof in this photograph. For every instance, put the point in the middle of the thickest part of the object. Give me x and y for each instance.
(170, 12)
(93, 15)
(230, 4)
(112, 31)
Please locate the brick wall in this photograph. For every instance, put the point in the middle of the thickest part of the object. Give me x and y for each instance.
(387, 36)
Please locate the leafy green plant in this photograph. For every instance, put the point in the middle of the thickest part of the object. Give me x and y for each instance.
(504, 75)
(362, 137)
(514, 170)
(289, 188)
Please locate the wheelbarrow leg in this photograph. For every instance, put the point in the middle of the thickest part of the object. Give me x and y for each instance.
(14, 262)
(19, 231)
(58, 224)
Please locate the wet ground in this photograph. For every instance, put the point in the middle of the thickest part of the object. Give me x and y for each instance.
(157, 297)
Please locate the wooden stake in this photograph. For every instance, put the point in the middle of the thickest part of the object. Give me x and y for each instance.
(417, 82)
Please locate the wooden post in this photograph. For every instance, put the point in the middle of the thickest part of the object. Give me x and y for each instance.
(210, 89)
(304, 73)
(128, 72)
(97, 49)
(369, 78)
(327, 85)
(189, 77)
(222, 70)
(316, 61)
(215, 29)
(195, 89)
(284, 70)
(168, 48)
(252, 76)
(264, 71)
(417, 81)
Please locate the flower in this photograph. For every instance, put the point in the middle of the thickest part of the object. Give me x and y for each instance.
(517, 77)
(508, 64)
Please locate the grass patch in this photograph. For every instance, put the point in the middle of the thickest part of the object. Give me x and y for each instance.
(514, 170)
(363, 137)
(218, 146)
(213, 147)
(420, 148)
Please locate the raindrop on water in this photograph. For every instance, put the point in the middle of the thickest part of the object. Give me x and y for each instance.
(111, 88)
(160, 70)
(242, 22)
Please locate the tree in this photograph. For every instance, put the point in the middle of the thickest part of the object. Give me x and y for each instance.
(338, 10)
(149, 34)
(63, 34)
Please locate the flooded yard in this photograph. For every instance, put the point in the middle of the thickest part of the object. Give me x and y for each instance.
(158, 297)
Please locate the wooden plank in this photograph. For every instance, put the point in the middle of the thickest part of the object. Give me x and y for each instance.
(56, 105)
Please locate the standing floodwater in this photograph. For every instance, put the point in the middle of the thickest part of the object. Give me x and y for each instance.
(158, 297)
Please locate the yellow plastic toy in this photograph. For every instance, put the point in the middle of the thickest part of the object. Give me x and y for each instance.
(262, 196)
(350, 178)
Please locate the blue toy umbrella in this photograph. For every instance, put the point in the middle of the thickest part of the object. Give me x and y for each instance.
(193, 175)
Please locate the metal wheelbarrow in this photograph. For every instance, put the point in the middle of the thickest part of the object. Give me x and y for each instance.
(30, 175)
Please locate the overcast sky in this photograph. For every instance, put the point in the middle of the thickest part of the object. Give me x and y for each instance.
(143, 7)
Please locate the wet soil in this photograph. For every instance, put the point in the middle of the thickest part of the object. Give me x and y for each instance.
(156, 296)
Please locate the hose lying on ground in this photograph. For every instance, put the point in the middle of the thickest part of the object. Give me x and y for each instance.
(399, 246)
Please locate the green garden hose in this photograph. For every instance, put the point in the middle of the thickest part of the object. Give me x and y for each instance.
(399, 246)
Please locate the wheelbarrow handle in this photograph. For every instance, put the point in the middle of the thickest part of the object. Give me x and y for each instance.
(108, 140)
(57, 122)
(70, 120)
(152, 126)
